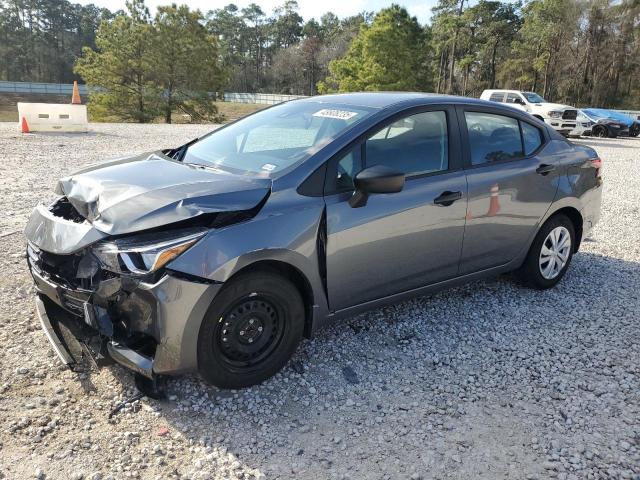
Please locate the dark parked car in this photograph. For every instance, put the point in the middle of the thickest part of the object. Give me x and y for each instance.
(604, 125)
(219, 256)
(632, 125)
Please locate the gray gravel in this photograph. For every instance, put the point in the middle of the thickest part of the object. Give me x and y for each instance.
(487, 381)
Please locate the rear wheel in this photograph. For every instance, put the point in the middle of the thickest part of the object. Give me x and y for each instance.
(550, 254)
(250, 331)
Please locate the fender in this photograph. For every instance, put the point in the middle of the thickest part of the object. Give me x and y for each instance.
(294, 241)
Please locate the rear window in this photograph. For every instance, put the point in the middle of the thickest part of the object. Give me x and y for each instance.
(531, 137)
(497, 97)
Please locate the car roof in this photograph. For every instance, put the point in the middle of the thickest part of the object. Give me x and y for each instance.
(503, 90)
(386, 99)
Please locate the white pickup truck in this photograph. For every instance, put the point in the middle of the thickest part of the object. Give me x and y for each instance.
(560, 117)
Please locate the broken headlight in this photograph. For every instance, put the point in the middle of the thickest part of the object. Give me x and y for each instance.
(145, 253)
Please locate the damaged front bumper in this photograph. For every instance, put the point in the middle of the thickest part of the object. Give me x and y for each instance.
(150, 327)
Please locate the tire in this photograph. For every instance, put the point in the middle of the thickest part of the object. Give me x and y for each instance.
(265, 314)
(600, 132)
(535, 272)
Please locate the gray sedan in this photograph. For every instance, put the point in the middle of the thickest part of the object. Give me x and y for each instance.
(220, 255)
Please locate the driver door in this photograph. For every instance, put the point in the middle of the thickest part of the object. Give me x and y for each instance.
(516, 100)
(397, 241)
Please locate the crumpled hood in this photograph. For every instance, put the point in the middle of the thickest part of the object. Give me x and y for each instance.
(153, 190)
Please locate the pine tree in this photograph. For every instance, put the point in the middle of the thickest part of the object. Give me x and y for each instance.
(122, 68)
(388, 55)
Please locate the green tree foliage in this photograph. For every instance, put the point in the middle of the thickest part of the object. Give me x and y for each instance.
(146, 68)
(228, 26)
(40, 39)
(580, 52)
(389, 54)
(122, 67)
(185, 63)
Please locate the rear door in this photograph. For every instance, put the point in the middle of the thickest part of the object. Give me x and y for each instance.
(512, 180)
(402, 240)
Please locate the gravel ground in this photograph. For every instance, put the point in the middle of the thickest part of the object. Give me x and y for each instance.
(487, 381)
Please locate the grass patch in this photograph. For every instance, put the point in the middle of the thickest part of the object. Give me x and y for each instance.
(234, 111)
(8, 115)
(228, 110)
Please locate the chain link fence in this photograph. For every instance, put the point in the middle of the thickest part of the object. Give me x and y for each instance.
(41, 88)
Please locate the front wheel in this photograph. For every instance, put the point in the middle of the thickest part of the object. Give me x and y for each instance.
(250, 331)
(550, 254)
(600, 132)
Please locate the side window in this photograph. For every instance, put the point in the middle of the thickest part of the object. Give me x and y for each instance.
(531, 137)
(347, 168)
(514, 98)
(497, 97)
(413, 145)
(493, 138)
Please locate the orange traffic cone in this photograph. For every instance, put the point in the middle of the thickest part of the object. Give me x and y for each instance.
(24, 126)
(494, 202)
(75, 97)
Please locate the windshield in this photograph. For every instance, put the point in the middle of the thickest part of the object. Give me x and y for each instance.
(534, 97)
(594, 114)
(274, 139)
(582, 117)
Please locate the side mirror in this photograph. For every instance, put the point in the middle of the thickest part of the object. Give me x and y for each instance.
(376, 179)
(519, 101)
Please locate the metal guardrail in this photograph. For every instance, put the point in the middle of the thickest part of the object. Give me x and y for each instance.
(262, 98)
(41, 88)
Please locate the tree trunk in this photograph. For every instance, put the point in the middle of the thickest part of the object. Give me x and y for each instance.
(452, 65)
(492, 83)
(169, 105)
(440, 71)
(453, 49)
(546, 78)
(535, 72)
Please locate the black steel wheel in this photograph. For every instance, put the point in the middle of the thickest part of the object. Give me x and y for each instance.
(251, 329)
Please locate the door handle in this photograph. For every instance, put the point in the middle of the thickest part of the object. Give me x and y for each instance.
(447, 198)
(545, 168)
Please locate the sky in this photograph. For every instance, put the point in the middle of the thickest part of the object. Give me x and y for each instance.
(308, 8)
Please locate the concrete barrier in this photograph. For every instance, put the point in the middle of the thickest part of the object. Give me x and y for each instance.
(53, 117)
